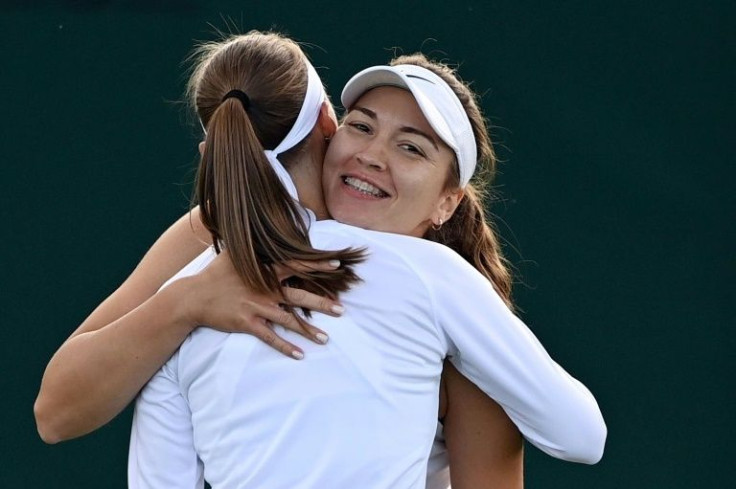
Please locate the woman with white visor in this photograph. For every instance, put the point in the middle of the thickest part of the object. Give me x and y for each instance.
(391, 355)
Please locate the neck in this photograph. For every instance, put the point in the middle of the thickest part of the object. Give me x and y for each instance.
(306, 171)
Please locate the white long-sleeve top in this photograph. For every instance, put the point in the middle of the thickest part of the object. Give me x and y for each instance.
(361, 411)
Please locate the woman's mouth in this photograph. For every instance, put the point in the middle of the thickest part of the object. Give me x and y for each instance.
(364, 187)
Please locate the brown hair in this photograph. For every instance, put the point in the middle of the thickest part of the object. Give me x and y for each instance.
(243, 204)
(468, 231)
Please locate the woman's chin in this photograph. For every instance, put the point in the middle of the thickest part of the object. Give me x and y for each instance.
(353, 220)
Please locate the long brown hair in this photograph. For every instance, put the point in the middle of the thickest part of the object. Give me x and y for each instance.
(469, 231)
(243, 204)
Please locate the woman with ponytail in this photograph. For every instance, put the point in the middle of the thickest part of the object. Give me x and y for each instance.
(250, 204)
(359, 412)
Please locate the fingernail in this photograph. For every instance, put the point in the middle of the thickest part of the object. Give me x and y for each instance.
(335, 263)
(337, 309)
(322, 338)
(297, 354)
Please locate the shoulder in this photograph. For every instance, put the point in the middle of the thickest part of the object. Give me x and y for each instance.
(394, 256)
(408, 248)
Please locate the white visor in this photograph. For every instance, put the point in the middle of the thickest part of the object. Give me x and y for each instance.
(437, 101)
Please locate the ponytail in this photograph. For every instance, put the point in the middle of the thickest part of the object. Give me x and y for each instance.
(243, 203)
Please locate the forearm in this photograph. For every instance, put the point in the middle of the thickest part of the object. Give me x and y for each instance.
(500, 355)
(95, 374)
(554, 411)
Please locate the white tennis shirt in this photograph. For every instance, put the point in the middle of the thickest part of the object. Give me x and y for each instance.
(361, 411)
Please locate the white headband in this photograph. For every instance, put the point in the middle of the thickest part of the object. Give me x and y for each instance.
(303, 125)
(437, 101)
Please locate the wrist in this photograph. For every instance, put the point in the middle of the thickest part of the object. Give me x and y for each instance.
(179, 298)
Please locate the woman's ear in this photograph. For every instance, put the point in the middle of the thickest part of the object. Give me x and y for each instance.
(449, 200)
(201, 148)
(327, 120)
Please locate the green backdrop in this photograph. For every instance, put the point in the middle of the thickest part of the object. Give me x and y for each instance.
(614, 121)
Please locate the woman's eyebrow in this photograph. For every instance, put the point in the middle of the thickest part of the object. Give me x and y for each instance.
(367, 112)
(419, 132)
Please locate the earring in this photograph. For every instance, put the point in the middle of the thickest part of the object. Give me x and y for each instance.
(437, 227)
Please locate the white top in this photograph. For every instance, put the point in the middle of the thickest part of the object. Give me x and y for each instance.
(438, 465)
(361, 411)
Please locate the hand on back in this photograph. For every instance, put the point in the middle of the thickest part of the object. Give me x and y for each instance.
(219, 299)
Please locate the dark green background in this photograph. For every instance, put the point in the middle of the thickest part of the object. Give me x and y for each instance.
(615, 123)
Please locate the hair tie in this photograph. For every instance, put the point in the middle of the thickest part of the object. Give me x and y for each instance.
(240, 95)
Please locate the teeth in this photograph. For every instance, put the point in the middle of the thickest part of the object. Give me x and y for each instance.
(364, 187)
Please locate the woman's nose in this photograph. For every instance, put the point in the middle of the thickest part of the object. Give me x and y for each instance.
(372, 158)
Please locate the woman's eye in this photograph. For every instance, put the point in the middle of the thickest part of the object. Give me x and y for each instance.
(413, 149)
(360, 126)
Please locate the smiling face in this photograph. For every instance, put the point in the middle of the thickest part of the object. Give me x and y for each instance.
(386, 169)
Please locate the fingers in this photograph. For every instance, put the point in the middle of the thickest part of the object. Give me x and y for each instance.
(314, 302)
(293, 322)
(286, 270)
(265, 333)
(258, 321)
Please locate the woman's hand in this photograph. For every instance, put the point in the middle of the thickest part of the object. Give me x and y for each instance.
(218, 298)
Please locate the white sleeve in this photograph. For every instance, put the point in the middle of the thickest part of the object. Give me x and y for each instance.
(497, 351)
(162, 450)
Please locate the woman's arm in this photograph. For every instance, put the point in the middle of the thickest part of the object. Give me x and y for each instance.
(484, 445)
(105, 362)
(498, 353)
